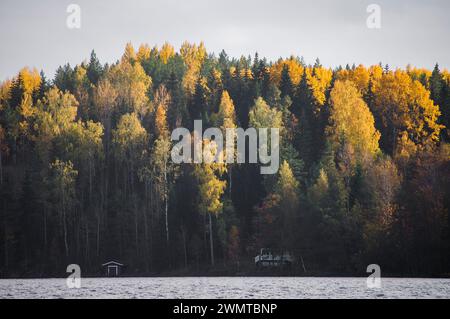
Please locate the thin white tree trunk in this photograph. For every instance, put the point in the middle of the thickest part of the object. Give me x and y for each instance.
(166, 199)
(211, 240)
(45, 227)
(87, 242)
(98, 234)
(6, 262)
(183, 233)
(66, 246)
(146, 228)
(90, 180)
(230, 181)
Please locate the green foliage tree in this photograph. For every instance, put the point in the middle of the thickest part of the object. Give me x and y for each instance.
(262, 116)
(95, 69)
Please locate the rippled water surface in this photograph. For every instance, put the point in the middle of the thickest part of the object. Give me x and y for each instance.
(232, 287)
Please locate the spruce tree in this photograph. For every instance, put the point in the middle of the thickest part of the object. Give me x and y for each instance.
(286, 86)
(94, 69)
(436, 84)
(303, 110)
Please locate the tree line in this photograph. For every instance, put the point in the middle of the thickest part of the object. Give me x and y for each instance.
(86, 174)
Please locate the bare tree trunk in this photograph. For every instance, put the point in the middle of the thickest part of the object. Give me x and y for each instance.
(90, 181)
(211, 240)
(45, 227)
(14, 152)
(133, 198)
(166, 199)
(98, 234)
(183, 234)
(1, 167)
(136, 236)
(66, 246)
(6, 261)
(152, 213)
(146, 228)
(205, 235)
(4, 214)
(87, 243)
(230, 182)
(303, 264)
(104, 203)
(394, 141)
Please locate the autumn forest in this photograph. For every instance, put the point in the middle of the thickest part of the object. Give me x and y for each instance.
(86, 174)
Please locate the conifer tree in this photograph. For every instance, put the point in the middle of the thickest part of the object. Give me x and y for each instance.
(286, 86)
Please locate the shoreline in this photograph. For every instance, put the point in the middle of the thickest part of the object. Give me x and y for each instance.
(159, 276)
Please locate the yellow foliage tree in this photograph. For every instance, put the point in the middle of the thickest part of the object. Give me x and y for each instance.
(227, 113)
(408, 115)
(226, 119)
(143, 53)
(287, 186)
(130, 139)
(360, 76)
(55, 114)
(129, 54)
(319, 80)
(132, 85)
(351, 120)
(105, 100)
(30, 80)
(5, 93)
(295, 69)
(167, 51)
(419, 74)
(210, 190)
(193, 57)
(376, 72)
(162, 101)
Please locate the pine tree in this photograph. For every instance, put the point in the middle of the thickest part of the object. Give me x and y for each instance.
(94, 69)
(65, 78)
(176, 111)
(286, 86)
(197, 105)
(303, 110)
(42, 88)
(445, 110)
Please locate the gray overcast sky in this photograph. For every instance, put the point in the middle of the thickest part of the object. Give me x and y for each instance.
(34, 33)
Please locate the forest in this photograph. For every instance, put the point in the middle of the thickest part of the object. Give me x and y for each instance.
(86, 174)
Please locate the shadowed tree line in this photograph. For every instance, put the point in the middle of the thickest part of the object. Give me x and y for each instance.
(86, 174)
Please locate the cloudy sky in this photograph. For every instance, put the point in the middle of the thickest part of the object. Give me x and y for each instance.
(34, 33)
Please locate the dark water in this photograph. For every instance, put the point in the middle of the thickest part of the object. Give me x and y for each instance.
(229, 287)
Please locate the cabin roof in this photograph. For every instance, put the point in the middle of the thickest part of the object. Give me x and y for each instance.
(112, 263)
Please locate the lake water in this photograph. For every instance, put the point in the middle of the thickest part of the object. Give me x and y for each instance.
(228, 287)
